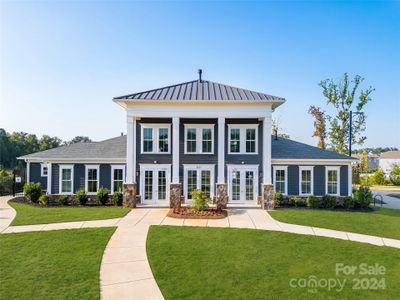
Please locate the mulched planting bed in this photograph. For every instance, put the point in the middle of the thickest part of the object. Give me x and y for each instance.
(188, 213)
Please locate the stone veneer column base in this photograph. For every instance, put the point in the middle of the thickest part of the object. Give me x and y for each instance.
(222, 196)
(129, 196)
(267, 201)
(175, 195)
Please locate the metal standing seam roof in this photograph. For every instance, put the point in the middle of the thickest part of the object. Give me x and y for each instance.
(115, 148)
(200, 90)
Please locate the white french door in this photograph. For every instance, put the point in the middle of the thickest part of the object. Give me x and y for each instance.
(198, 177)
(154, 183)
(242, 183)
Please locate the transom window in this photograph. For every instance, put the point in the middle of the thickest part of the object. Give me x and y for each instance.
(243, 138)
(199, 138)
(306, 180)
(280, 179)
(43, 170)
(66, 179)
(332, 180)
(155, 138)
(92, 178)
(117, 178)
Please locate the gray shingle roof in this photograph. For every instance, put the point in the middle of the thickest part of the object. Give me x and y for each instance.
(115, 149)
(112, 149)
(200, 90)
(288, 149)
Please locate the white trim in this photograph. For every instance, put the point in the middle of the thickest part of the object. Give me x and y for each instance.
(199, 137)
(96, 167)
(242, 128)
(155, 137)
(311, 169)
(285, 168)
(49, 179)
(42, 166)
(332, 168)
(117, 167)
(155, 167)
(243, 168)
(198, 168)
(267, 149)
(221, 150)
(175, 149)
(28, 171)
(350, 180)
(67, 167)
(311, 161)
(79, 160)
(130, 150)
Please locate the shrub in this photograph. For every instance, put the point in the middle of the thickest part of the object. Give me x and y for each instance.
(312, 201)
(395, 175)
(117, 199)
(44, 200)
(62, 200)
(200, 200)
(278, 199)
(366, 180)
(348, 202)
(81, 197)
(378, 177)
(102, 196)
(328, 201)
(363, 197)
(32, 191)
(295, 201)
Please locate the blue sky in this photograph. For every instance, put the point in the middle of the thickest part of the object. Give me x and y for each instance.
(62, 62)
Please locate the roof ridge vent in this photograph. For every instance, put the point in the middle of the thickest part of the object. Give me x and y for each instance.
(200, 72)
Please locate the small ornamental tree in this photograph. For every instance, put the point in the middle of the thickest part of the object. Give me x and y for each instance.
(395, 175)
(200, 200)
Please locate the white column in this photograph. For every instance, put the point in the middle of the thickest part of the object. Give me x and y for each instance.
(266, 151)
(28, 171)
(49, 175)
(175, 150)
(221, 150)
(131, 150)
(350, 179)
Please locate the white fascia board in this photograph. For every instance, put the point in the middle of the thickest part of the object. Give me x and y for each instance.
(79, 160)
(311, 161)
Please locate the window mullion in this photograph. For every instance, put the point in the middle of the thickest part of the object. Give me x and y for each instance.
(199, 140)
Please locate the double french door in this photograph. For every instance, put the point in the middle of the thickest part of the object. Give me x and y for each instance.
(198, 177)
(242, 183)
(154, 183)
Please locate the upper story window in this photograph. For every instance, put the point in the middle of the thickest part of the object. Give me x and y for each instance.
(243, 138)
(332, 176)
(43, 170)
(66, 179)
(155, 138)
(92, 175)
(306, 175)
(199, 139)
(280, 179)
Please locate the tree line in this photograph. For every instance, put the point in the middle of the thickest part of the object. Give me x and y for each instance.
(15, 144)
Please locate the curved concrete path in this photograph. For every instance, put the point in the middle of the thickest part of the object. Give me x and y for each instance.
(7, 213)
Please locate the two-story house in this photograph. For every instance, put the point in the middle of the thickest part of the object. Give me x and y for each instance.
(194, 135)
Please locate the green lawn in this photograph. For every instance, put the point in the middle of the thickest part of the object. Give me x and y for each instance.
(60, 264)
(28, 214)
(384, 222)
(216, 263)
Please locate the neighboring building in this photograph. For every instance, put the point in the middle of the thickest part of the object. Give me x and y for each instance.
(388, 159)
(372, 160)
(197, 134)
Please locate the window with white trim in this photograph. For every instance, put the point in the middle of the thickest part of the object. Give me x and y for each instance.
(117, 178)
(66, 179)
(43, 170)
(280, 179)
(306, 178)
(332, 180)
(155, 138)
(199, 138)
(92, 178)
(242, 138)
(198, 177)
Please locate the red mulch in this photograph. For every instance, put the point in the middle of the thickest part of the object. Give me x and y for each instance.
(188, 213)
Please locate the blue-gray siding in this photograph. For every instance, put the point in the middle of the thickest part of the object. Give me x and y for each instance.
(34, 173)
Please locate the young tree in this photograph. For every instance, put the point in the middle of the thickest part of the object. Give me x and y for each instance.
(343, 96)
(319, 125)
(276, 129)
(48, 142)
(395, 175)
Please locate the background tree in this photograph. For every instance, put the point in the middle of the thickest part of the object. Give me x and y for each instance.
(343, 96)
(395, 175)
(319, 125)
(276, 128)
(79, 139)
(48, 142)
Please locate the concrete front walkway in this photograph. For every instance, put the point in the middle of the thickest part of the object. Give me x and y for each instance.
(7, 213)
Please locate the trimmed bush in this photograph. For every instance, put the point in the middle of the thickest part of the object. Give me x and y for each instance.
(278, 199)
(102, 196)
(117, 199)
(363, 197)
(348, 202)
(62, 200)
(44, 200)
(295, 201)
(378, 177)
(312, 202)
(32, 191)
(81, 197)
(200, 200)
(328, 201)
